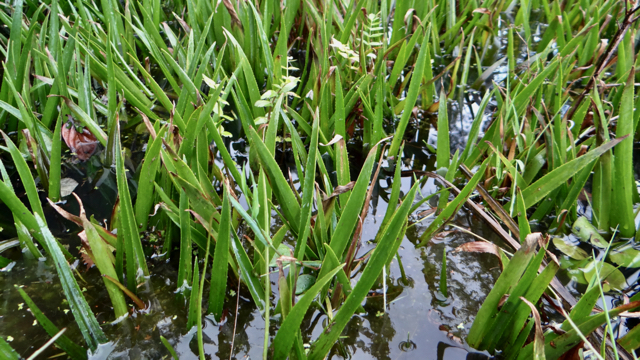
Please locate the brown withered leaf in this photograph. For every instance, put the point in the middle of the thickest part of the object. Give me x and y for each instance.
(340, 189)
(232, 12)
(480, 247)
(482, 11)
(85, 252)
(439, 237)
(538, 343)
(83, 144)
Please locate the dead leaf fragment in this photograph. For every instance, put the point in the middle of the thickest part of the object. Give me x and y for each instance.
(67, 185)
(83, 144)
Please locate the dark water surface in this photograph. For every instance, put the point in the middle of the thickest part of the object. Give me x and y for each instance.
(417, 323)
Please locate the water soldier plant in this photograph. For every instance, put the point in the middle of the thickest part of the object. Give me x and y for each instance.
(325, 95)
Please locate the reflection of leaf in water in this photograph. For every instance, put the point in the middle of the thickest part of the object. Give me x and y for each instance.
(83, 144)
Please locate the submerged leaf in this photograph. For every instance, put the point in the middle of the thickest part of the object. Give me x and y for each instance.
(67, 185)
(588, 233)
(625, 256)
(572, 251)
(482, 247)
(613, 277)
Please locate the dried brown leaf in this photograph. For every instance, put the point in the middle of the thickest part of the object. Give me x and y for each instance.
(83, 144)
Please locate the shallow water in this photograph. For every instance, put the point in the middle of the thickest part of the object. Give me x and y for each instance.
(417, 323)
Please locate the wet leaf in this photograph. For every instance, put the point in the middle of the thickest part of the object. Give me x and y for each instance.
(613, 277)
(588, 233)
(572, 251)
(7, 351)
(304, 283)
(625, 256)
(482, 247)
(81, 310)
(74, 351)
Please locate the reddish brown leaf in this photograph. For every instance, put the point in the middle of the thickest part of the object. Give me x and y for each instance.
(87, 260)
(481, 247)
(85, 252)
(341, 189)
(83, 144)
(538, 346)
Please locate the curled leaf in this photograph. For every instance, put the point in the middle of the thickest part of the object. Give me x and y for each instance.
(538, 342)
(482, 247)
(83, 144)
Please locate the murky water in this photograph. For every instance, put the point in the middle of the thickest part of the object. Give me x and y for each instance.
(419, 322)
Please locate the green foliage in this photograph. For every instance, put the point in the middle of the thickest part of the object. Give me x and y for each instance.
(357, 83)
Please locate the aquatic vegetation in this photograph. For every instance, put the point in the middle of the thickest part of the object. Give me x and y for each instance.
(325, 95)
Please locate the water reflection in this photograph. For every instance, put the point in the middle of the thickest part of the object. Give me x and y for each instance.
(417, 322)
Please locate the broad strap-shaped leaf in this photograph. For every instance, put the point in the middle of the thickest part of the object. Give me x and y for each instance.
(194, 308)
(623, 180)
(22, 213)
(184, 266)
(387, 244)
(508, 279)
(145, 196)
(25, 176)
(351, 211)
(136, 261)
(220, 264)
(307, 195)
(7, 351)
(81, 311)
(281, 189)
(250, 279)
(104, 260)
(412, 96)
(291, 325)
(75, 351)
(537, 191)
